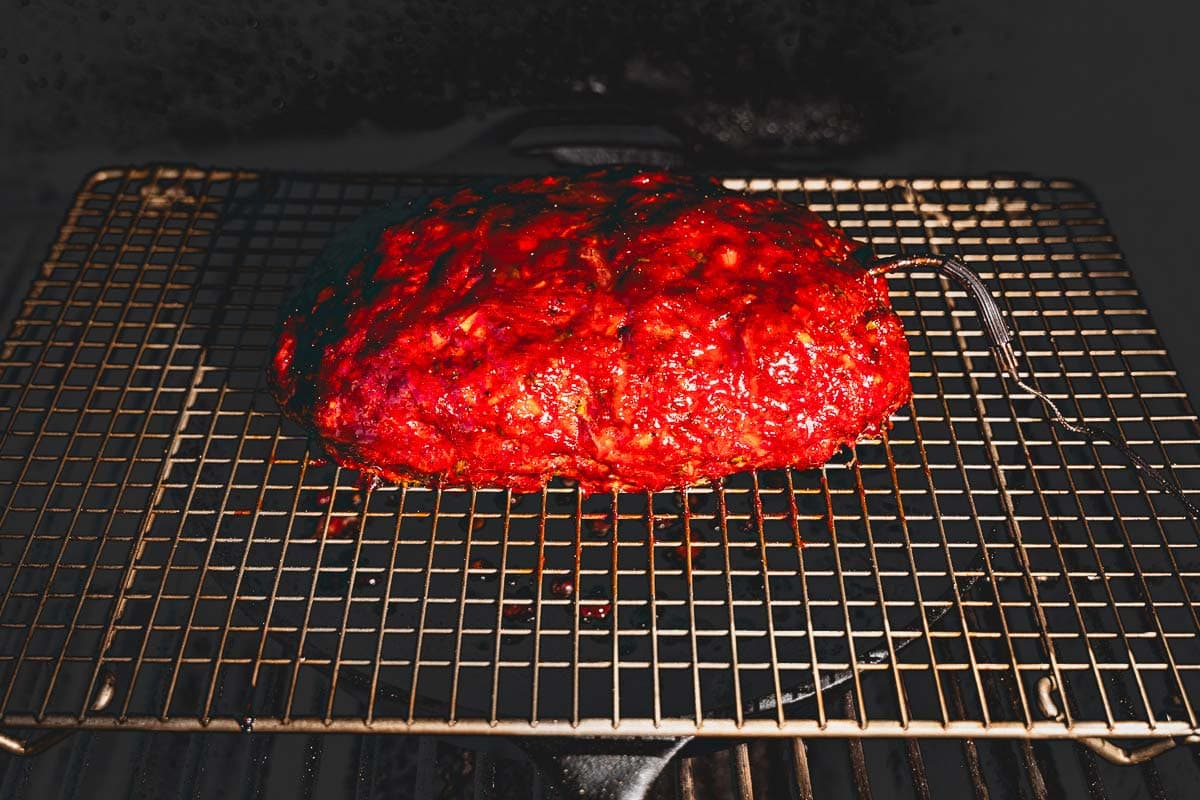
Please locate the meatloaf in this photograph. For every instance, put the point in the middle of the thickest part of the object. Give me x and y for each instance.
(628, 330)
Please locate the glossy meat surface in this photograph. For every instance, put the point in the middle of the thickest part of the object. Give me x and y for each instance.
(627, 330)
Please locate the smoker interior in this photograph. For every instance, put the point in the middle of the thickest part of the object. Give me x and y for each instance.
(164, 527)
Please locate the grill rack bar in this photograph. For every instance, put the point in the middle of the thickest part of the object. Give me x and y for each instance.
(204, 567)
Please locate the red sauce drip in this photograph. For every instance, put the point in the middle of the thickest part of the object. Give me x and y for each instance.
(684, 552)
(341, 526)
(596, 612)
(521, 612)
(601, 526)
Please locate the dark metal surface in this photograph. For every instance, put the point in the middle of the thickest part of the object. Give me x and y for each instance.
(161, 523)
(613, 769)
(170, 766)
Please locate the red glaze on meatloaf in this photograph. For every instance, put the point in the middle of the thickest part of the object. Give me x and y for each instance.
(627, 330)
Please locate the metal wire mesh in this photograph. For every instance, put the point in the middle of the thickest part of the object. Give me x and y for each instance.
(163, 525)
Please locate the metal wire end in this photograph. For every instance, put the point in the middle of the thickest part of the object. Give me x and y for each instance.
(1000, 340)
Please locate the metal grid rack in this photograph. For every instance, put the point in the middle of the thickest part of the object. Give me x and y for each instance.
(169, 543)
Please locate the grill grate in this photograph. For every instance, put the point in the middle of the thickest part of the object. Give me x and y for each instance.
(163, 526)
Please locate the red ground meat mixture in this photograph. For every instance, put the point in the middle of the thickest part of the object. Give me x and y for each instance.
(627, 330)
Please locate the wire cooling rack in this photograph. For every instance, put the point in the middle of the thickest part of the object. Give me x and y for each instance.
(172, 556)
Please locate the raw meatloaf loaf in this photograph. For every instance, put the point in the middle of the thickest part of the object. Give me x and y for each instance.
(627, 330)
